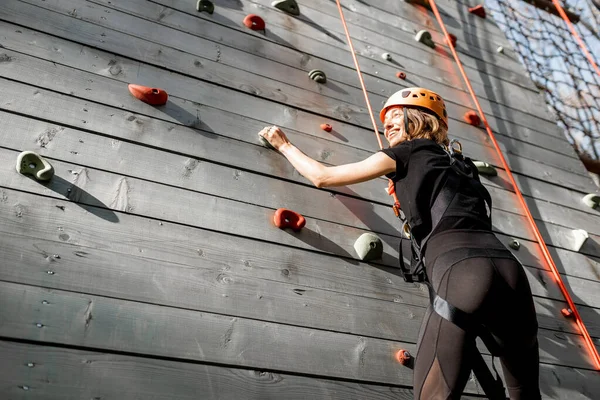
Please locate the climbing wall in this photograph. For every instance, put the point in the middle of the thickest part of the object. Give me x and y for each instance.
(150, 266)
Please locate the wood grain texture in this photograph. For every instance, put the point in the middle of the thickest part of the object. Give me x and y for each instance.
(67, 374)
(101, 89)
(77, 319)
(60, 222)
(174, 41)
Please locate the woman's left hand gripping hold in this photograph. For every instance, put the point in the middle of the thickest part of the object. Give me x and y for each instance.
(275, 137)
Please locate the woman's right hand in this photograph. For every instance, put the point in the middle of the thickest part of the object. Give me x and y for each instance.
(275, 136)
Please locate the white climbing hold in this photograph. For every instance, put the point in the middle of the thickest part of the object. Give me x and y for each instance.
(386, 56)
(591, 200)
(579, 236)
(424, 36)
(500, 50)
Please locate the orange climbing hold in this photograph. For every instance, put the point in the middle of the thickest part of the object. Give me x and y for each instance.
(254, 22)
(567, 312)
(452, 39)
(472, 118)
(403, 357)
(152, 96)
(478, 10)
(326, 127)
(400, 75)
(285, 218)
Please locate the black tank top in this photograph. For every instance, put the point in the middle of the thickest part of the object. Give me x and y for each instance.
(421, 170)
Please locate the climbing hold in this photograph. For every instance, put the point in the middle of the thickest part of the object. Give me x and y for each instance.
(386, 56)
(478, 10)
(326, 127)
(285, 218)
(254, 22)
(400, 75)
(580, 236)
(368, 247)
(452, 39)
(514, 244)
(425, 37)
(485, 169)
(472, 118)
(592, 200)
(403, 356)
(500, 50)
(265, 142)
(289, 6)
(317, 75)
(567, 312)
(31, 163)
(205, 5)
(152, 96)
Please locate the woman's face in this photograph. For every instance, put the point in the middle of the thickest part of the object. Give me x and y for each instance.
(394, 126)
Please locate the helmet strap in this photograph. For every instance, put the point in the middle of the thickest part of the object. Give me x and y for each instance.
(405, 122)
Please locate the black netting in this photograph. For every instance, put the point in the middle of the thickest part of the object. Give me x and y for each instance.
(557, 64)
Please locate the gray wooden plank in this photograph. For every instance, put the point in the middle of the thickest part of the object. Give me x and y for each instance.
(189, 24)
(117, 325)
(87, 374)
(174, 169)
(181, 41)
(78, 374)
(92, 86)
(176, 245)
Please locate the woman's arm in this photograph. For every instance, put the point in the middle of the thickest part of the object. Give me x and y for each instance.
(321, 176)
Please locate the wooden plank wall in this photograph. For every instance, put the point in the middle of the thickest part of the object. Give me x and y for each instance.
(149, 268)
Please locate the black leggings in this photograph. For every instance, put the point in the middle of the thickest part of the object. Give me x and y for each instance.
(496, 290)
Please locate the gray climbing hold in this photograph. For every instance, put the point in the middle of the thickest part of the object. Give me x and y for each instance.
(31, 163)
(424, 36)
(485, 169)
(579, 238)
(205, 5)
(514, 244)
(368, 247)
(265, 142)
(500, 50)
(592, 200)
(289, 6)
(318, 76)
(386, 56)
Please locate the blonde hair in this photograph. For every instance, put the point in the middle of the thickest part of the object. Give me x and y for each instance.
(422, 125)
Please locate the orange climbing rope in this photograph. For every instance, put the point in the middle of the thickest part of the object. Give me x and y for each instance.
(564, 16)
(536, 231)
(391, 191)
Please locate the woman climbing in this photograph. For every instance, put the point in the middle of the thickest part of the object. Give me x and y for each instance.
(467, 267)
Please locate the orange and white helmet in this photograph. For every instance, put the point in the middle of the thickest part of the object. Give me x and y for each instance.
(417, 97)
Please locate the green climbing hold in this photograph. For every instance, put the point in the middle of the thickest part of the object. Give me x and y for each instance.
(485, 168)
(514, 244)
(424, 37)
(318, 76)
(205, 5)
(289, 6)
(592, 200)
(368, 247)
(265, 142)
(31, 163)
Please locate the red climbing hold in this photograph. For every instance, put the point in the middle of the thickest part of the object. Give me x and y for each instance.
(452, 39)
(403, 357)
(567, 312)
(153, 96)
(326, 127)
(400, 75)
(254, 22)
(472, 118)
(285, 218)
(478, 10)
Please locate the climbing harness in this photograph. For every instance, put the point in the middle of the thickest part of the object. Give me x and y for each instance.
(548, 258)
